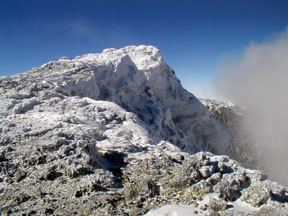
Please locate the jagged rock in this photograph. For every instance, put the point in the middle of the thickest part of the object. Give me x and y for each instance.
(243, 147)
(217, 205)
(114, 133)
(256, 195)
(232, 185)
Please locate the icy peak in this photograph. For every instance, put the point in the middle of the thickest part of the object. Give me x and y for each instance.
(143, 56)
(137, 79)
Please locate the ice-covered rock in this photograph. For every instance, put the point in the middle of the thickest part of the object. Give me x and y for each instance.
(137, 79)
(243, 147)
(114, 133)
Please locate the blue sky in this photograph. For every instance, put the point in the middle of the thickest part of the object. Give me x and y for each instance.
(192, 35)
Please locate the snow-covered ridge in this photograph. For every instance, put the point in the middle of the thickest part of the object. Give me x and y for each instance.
(114, 133)
(137, 79)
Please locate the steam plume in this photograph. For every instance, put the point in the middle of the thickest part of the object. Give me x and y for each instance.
(258, 80)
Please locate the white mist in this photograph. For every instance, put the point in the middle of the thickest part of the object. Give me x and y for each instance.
(258, 80)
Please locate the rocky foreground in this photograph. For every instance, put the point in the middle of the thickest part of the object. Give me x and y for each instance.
(115, 133)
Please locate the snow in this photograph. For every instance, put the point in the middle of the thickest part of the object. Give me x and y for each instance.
(182, 210)
(174, 210)
(188, 210)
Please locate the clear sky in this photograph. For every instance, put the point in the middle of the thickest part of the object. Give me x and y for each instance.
(192, 35)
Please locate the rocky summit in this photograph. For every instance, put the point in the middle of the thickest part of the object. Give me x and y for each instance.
(115, 133)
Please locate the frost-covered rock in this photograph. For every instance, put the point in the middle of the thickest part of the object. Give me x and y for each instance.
(243, 146)
(217, 205)
(137, 79)
(114, 133)
(256, 195)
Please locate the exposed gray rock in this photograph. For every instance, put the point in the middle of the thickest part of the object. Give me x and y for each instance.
(217, 205)
(256, 195)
